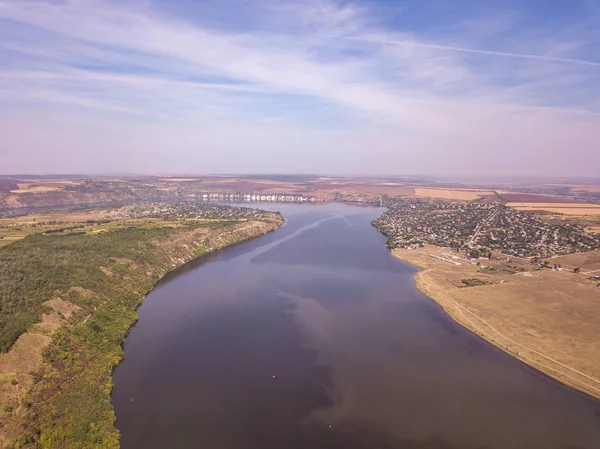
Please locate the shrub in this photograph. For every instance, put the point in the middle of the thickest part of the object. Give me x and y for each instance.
(474, 282)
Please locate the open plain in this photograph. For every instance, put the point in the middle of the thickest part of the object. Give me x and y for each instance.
(39, 192)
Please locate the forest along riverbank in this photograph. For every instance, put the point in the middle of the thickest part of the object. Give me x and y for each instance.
(316, 336)
(546, 318)
(69, 298)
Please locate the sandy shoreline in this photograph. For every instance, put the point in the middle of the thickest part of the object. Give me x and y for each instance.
(557, 335)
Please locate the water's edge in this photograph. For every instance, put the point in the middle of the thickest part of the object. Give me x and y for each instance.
(453, 311)
(274, 226)
(318, 336)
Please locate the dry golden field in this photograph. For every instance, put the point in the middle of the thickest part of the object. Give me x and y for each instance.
(452, 194)
(559, 208)
(588, 261)
(179, 179)
(36, 189)
(548, 319)
(17, 228)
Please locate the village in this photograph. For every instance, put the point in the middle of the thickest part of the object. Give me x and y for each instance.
(149, 190)
(249, 197)
(480, 228)
(190, 210)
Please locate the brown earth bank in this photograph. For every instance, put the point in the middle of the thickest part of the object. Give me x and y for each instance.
(547, 318)
(55, 381)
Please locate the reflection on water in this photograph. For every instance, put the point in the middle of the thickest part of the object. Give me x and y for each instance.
(315, 337)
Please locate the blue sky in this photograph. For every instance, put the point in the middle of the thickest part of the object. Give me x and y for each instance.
(433, 87)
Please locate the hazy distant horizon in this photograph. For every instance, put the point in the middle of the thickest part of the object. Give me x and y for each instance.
(422, 178)
(366, 87)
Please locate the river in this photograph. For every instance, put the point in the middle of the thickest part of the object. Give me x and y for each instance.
(315, 337)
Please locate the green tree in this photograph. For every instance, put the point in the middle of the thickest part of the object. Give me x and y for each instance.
(475, 253)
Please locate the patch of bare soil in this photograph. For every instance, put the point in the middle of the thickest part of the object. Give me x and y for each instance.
(106, 271)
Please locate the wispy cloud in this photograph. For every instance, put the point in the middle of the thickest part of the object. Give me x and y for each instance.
(368, 94)
(479, 51)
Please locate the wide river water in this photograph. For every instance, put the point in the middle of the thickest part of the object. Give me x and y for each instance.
(315, 337)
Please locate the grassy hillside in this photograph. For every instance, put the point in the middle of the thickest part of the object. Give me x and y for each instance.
(106, 276)
(36, 268)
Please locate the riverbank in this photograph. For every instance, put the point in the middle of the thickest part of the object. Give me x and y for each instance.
(55, 381)
(548, 319)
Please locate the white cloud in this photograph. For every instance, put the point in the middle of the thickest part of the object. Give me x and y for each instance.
(300, 65)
